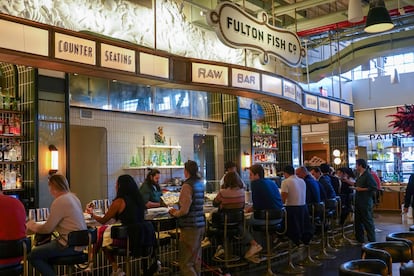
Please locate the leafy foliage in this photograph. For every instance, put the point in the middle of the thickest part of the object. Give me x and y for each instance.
(403, 120)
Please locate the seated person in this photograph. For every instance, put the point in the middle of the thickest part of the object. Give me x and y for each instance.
(230, 196)
(66, 215)
(127, 207)
(265, 196)
(293, 189)
(230, 166)
(151, 190)
(12, 223)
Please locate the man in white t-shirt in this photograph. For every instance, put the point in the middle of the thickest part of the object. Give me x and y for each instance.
(293, 192)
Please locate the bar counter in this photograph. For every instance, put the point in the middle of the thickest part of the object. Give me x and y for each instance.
(391, 196)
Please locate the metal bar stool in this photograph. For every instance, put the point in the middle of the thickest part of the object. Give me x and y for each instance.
(78, 238)
(226, 224)
(323, 255)
(15, 249)
(133, 237)
(275, 222)
(309, 261)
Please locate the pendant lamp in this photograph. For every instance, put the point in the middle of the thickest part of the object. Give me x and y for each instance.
(378, 18)
(355, 13)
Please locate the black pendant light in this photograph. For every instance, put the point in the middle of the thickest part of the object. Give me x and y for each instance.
(378, 18)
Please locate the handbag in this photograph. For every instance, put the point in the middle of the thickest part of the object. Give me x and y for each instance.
(40, 239)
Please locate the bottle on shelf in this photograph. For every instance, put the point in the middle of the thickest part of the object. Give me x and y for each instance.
(19, 179)
(1, 98)
(178, 161)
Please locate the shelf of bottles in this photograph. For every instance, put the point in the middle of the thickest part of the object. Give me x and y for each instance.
(264, 144)
(159, 156)
(11, 160)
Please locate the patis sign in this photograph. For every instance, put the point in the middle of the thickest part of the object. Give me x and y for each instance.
(238, 29)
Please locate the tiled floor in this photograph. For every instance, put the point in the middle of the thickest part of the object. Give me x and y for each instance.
(386, 222)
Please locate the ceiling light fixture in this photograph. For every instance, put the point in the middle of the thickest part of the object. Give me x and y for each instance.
(355, 13)
(378, 18)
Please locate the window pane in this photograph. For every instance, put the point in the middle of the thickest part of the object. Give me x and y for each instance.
(130, 97)
(173, 102)
(88, 91)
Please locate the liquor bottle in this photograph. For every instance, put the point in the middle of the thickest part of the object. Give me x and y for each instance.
(19, 179)
(6, 127)
(6, 101)
(1, 98)
(178, 161)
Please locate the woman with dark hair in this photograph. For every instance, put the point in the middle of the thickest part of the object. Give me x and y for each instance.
(128, 208)
(190, 220)
(151, 190)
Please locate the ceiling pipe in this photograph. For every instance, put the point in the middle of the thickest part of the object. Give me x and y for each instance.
(347, 24)
(280, 10)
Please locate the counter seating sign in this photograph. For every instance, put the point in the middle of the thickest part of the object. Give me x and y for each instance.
(237, 29)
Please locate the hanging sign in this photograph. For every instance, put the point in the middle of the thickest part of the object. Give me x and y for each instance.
(238, 29)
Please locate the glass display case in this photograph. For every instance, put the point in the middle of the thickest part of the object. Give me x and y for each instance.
(390, 155)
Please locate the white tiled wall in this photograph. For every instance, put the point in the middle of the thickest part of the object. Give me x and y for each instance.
(126, 131)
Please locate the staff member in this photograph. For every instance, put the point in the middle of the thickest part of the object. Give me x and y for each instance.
(151, 190)
(365, 186)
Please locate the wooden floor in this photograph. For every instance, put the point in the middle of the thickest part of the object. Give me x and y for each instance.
(385, 222)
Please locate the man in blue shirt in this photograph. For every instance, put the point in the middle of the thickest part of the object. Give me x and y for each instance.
(265, 195)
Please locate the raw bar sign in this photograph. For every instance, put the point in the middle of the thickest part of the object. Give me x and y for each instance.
(238, 29)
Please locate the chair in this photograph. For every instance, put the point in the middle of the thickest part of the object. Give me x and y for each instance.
(166, 230)
(78, 238)
(226, 224)
(15, 249)
(139, 240)
(323, 255)
(390, 252)
(407, 237)
(275, 223)
(331, 212)
(314, 216)
(363, 267)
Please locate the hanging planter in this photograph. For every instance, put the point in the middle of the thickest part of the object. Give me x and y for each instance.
(403, 120)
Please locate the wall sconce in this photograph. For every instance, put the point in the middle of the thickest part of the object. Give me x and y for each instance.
(378, 18)
(246, 160)
(54, 159)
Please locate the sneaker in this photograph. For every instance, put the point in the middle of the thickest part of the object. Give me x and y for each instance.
(219, 252)
(118, 272)
(254, 249)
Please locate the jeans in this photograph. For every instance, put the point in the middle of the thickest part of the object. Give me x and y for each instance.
(40, 255)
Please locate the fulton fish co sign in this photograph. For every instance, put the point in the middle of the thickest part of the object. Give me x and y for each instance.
(238, 29)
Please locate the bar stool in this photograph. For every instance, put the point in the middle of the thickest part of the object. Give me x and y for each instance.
(407, 237)
(226, 224)
(166, 231)
(323, 255)
(331, 207)
(275, 223)
(309, 261)
(363, 267)
(390, 252)
(139, 240)
(15, 249)
(78, 238)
